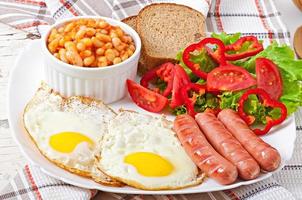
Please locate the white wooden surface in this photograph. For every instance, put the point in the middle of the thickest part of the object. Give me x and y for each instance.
(11, 43)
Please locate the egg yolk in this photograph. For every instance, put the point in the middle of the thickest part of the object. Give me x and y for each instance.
(66, 142)
(149, 164)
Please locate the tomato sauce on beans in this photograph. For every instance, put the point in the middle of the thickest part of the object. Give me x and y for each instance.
(90, 43)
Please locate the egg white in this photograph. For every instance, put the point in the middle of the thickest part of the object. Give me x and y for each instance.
(131, 132)
(48, 113)
(43, 125)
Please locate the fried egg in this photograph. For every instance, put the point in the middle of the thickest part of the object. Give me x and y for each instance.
(65, 137)
(67, 131)
(143, 152)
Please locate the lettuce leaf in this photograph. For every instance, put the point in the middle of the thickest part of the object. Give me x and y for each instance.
(227, 38)
(179, 110)
(255, 108)
(292, 94)
(205, 101)
(291, 73)
(230, 100)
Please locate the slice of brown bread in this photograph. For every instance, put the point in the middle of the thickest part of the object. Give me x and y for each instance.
(165, 28)
(131, 21)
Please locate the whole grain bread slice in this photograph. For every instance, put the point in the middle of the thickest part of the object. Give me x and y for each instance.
(131, 21)
(165, 28)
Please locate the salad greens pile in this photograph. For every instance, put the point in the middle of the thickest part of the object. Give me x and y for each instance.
(282, 55)
(291, 72)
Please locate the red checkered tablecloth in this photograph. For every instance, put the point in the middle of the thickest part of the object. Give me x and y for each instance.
(256, 17)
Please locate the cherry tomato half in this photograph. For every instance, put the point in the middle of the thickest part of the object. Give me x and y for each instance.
(145, 98)
(229, 78)
(268, 77)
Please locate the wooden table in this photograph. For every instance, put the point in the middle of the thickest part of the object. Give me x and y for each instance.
(11, 43)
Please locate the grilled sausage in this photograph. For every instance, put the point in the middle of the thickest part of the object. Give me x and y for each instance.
(223, 141)
(268, 157)
(202, 153)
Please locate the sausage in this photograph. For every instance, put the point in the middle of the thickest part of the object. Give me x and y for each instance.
(202, 153)
(268, 157)
(223, 141)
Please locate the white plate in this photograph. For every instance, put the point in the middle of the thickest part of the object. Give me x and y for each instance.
(24, 80)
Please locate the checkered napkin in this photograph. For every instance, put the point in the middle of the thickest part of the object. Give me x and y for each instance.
(32, 183)
(256, 17)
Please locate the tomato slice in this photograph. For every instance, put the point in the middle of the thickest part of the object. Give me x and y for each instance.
(164, 72)
(269, 78)
(229, 78)
(145, 98)
(180, 79)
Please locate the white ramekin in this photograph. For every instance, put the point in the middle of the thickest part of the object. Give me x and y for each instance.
(107, 83)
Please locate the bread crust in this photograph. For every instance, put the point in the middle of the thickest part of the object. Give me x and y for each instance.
(156, 4)
(142, 61)
(127, 19)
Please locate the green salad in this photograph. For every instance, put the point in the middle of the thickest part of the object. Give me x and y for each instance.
(282, 55)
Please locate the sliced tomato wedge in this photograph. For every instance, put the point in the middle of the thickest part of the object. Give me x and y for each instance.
(145, 98)
(269, 78)
(164, 72)
(229, 78)
(180, 79)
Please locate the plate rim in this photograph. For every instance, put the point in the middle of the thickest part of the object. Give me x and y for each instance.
(34, 44)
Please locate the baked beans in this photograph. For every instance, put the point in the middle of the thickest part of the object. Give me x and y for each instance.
(90, 43)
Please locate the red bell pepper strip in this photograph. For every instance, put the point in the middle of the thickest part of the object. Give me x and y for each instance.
(267, 102)
(218, 55)
(254, 48)
(190, 102)
(165, 72)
